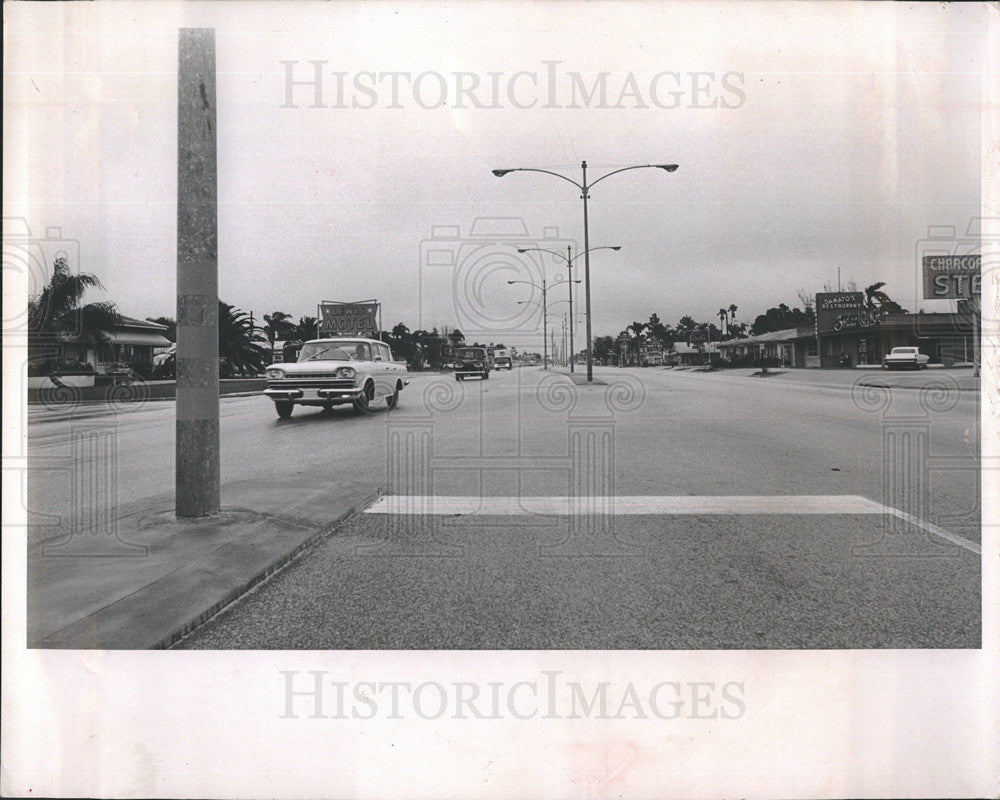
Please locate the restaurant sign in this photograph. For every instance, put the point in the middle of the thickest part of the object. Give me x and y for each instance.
(838, 311)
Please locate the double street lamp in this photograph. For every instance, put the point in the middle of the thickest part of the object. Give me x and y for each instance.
(544, 305)
(545, 318)
(584, 187)
(568, 258)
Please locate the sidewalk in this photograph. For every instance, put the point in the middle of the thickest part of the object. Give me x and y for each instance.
(960, 379)
(152, 578)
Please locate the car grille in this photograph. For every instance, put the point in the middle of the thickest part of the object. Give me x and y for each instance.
(312, 382)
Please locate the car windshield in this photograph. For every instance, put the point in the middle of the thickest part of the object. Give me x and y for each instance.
(906, 350)
(327, 351)
(470, 352)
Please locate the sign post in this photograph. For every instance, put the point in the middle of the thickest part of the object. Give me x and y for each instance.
(957, 277)
(197, 426)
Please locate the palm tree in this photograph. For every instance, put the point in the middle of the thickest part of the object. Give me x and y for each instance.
(732, 315)
(723, 315)
(277, 325)
(56, 315)
(307, 328)
(880, 301)
(638, 332)
(239, 340)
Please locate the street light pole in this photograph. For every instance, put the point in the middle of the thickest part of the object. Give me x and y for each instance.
(586, 276)
(568, 258)
(569, 270)
(545, 319)
(584, 188)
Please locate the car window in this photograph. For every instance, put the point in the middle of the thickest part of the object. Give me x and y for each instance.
(385, 352)
(325, 352)
(362, 352)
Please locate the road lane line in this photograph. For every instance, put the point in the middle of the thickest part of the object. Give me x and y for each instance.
(651, 505)
(934, 530)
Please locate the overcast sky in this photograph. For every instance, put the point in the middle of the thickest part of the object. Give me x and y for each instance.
(839, 133)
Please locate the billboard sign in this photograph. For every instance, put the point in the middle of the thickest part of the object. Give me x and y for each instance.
(349, 319)
(951, 277)
(838, 311)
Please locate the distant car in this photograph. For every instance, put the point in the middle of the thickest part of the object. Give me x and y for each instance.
(503, 362)
(905, 358)
(472, 362)
(333, 372)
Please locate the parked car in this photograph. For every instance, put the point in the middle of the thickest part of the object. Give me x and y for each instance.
(472, 362)
(905, 358)
(332, 372)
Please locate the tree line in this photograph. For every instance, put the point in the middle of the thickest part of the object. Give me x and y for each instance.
(631, 340)
(58, 315)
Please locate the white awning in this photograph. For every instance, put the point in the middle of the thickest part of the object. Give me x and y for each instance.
(139, 338)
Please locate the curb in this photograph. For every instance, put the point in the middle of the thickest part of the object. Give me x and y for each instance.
(261, 577)
(84, 403)
(107, 628)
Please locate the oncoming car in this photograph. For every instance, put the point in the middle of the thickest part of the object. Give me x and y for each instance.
(503, 362)
(905, 358)
(472, 362)
(332, 372)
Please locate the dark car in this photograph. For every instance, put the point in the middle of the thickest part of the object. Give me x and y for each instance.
(472, 362)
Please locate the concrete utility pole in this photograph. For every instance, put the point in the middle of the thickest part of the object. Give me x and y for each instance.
(197, 444)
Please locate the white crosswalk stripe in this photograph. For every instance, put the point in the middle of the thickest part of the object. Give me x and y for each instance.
(651, 505)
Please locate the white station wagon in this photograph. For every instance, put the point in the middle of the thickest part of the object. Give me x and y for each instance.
(332, 372)
(905, 358)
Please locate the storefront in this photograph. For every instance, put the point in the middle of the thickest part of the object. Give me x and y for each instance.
(792, 347)
(945, 338)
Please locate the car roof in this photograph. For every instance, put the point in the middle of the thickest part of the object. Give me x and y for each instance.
(357, 339)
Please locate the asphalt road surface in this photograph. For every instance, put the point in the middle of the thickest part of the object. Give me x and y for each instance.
(663, 510)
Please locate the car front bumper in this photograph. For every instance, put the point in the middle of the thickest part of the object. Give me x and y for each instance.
(313, 394)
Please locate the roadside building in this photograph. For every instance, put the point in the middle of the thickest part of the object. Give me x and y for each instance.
(859, 341)
(689, 355)
(792, 347)
(132, 342)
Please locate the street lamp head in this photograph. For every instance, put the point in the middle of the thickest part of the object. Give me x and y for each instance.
(501, 172)
(511, 281)
(667, 167)
(616, 247)
(522, 249)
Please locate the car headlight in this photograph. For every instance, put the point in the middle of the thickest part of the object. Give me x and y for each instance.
(275, 374)
(346, 372)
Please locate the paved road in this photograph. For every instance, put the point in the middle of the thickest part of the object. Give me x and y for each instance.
(876, 547)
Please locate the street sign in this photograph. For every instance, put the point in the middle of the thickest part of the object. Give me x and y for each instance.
(952, 277)
(837, 311)
(348, 319)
